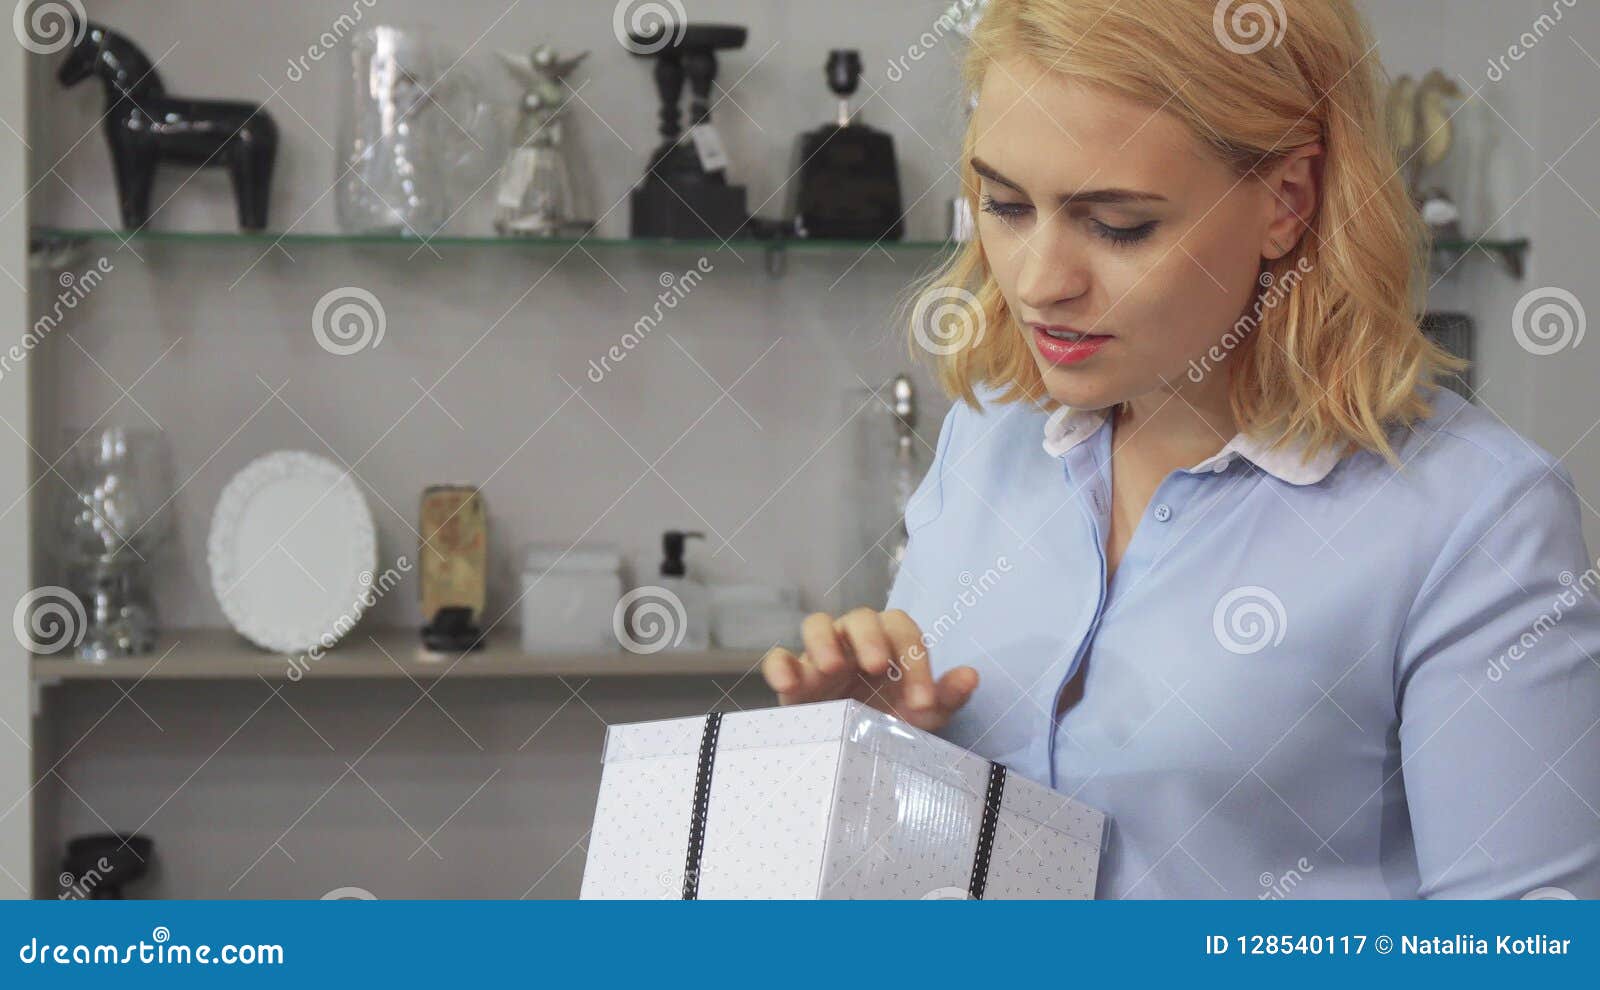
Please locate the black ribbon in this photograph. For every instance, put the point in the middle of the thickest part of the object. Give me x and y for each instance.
(702, 799)
(986, 827)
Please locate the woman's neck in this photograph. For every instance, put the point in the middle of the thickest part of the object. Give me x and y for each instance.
(1170, 429)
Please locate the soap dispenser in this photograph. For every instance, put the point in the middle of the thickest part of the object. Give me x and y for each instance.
(690, 592)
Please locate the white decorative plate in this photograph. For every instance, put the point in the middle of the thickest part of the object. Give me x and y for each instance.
(292, 551)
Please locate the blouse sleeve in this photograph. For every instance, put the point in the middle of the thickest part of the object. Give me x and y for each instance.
(924, 505)
(1498, 690)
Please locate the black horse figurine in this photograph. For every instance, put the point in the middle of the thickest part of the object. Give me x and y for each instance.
(145, 127)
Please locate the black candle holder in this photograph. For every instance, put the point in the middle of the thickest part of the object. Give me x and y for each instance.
(679, 195)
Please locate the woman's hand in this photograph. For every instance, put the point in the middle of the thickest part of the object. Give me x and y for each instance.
(874, 657)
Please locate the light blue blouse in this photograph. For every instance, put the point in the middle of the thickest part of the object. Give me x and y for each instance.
(1320, 680)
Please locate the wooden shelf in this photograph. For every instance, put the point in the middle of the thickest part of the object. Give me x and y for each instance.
(221, 654)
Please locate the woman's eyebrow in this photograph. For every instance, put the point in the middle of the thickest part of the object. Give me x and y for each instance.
(1090, 196)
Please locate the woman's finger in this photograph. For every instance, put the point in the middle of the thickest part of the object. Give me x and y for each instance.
(823, 646)
(954, 688)
(781, 668)
(914, 686)
(863, 631)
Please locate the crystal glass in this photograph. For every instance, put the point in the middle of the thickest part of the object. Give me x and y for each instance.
(110, 522)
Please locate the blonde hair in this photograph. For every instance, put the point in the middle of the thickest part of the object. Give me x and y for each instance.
(1344, 359)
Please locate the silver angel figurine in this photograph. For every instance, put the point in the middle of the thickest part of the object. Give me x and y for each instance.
(536, 197)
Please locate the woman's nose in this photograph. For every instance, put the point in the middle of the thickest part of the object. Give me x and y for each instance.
(1053, 269)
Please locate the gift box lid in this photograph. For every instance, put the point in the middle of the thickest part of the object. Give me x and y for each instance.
(853, 723)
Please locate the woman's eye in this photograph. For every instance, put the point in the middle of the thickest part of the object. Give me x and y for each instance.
(1007, 211)
(1123, 235)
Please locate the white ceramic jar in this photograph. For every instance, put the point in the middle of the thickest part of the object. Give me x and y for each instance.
(568, 597)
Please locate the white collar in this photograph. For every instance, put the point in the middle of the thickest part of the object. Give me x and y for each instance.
(1067, 427)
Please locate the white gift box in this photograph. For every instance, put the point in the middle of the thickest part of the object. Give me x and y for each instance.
(831, 800)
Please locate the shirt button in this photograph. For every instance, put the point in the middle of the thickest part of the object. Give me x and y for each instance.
(1163, 512)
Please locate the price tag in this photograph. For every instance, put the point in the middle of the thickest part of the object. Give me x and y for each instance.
(708, 145)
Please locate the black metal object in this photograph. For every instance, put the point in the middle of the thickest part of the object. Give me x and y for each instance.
(99, 867)
(1453, 332)
(849, 182)
(146, 128)
(678, 196)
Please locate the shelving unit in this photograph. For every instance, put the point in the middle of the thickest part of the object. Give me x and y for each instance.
(59, 243)
(221, 654)
(1510, 254)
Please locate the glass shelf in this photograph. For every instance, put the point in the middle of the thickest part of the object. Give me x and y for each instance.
(1511, 253)
(51, 240)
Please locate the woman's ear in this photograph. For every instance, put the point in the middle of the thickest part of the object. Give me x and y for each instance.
(1295, 188)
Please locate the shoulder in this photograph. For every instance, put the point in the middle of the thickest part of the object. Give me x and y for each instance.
(995, 444)
(994, 428)
(1468, 480)
(1465, 446)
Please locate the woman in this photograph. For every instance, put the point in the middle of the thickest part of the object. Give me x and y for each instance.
(1203, 544)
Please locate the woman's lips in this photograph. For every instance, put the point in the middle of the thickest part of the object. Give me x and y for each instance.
(1059, 351)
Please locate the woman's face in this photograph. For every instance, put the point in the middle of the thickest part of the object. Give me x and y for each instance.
(1156, 253)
